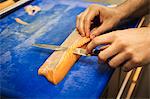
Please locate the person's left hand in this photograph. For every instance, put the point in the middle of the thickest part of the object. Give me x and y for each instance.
(129, 48)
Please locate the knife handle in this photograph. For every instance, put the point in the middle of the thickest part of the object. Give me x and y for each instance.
(95, 52)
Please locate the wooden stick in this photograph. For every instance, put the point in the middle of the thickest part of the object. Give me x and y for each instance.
(129, 73)
(134, 81)
(124, 84)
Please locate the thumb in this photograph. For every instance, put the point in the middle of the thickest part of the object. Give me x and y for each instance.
(101, 29)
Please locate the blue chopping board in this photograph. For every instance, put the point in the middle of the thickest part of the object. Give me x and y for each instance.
(20, 61)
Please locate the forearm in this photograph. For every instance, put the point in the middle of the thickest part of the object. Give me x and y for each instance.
(134, 8)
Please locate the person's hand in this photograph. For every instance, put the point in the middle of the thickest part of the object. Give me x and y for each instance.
(129, 48)
(108, 18)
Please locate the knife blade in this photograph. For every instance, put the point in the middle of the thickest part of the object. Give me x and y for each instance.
(51, 47)
(79, 51)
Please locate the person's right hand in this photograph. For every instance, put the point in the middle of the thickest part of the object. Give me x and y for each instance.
(109, 17)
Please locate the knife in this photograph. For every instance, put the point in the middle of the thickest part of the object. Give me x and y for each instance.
(79, 51)
(51, 47)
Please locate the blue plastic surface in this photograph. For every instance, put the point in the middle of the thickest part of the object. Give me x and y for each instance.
(19, 61)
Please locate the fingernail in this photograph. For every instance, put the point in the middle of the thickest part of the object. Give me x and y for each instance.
(92, 36)
(82, 35)
(87, 36)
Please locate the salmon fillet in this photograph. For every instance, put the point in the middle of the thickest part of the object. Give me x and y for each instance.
(59, 63)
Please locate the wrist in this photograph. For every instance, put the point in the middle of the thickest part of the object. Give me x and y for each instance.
(122, 13)
(119, 14)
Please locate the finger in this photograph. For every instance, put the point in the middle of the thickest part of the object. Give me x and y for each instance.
(77, 21)
(118, 59)
(105, 26)
(110, 51)
(128, 66)
(87, 21)
(81, 22)
(92, 31)
(104, 47)
(103, 39)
